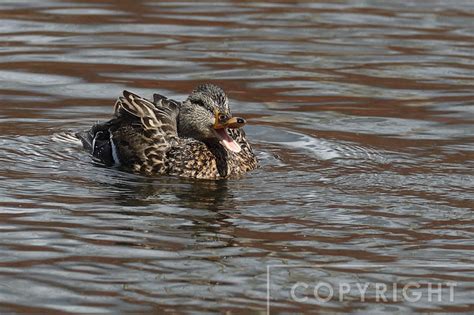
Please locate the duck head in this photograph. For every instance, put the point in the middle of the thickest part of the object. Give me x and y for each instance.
(206, 116)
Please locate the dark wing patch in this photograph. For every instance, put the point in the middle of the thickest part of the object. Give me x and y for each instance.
(97, 142)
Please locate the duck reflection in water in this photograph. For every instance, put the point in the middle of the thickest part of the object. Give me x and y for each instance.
(208, 205)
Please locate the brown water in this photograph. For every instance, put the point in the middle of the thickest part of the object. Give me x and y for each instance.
(361, 114)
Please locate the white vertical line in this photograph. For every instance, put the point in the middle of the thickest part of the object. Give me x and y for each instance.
(268, 289)
(113, 148)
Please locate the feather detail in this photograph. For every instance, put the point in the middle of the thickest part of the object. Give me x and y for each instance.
(139, 107)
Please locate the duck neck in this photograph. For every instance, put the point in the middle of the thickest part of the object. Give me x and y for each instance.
(182, 127)
(221, 155)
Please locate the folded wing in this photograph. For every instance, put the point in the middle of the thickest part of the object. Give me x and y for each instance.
(138, 136)
(160, 115)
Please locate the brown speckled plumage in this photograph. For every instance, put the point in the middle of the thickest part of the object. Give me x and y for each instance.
(166, 137)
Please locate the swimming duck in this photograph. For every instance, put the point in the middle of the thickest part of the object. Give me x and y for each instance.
(197, 138)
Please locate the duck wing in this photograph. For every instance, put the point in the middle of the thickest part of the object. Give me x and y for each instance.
(138, 135)
(159, 115)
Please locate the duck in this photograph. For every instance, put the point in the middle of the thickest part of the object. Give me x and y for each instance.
(196, 138)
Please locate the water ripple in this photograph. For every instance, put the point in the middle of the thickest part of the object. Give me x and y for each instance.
(361, 115)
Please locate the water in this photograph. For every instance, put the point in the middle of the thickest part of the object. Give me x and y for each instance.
(361, 114)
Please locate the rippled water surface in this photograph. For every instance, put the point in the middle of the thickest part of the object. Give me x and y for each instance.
(361, 114)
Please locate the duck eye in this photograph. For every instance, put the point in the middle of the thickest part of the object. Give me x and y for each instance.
(199, 102)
